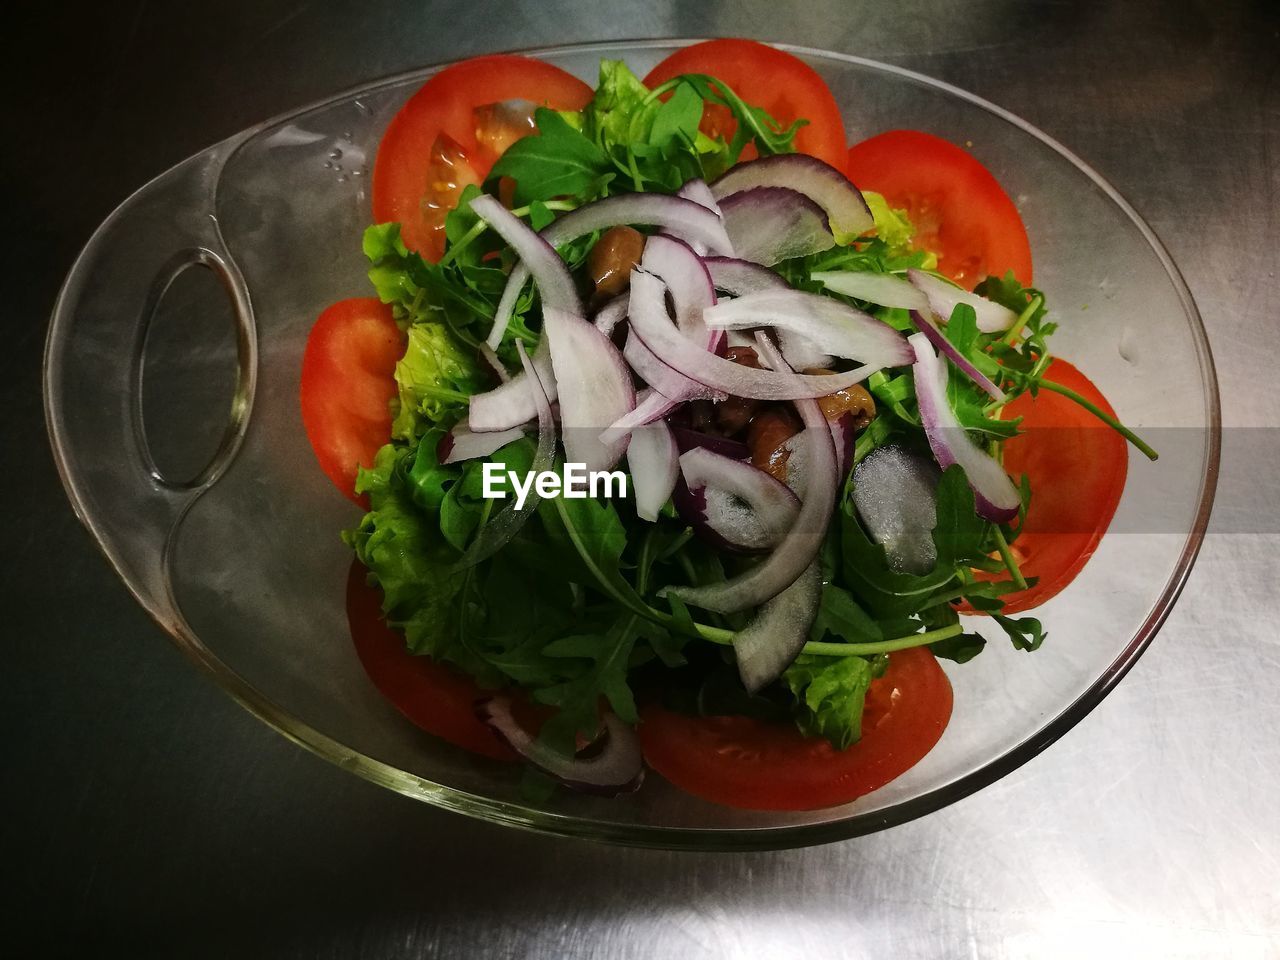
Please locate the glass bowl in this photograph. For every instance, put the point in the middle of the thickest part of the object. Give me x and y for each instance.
(239, 559)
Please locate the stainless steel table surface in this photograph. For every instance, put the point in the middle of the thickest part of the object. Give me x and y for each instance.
(146, 814)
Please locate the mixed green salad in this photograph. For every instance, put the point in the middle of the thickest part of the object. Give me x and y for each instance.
(777, 543)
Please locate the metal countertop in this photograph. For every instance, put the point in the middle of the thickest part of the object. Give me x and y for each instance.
(147, 814)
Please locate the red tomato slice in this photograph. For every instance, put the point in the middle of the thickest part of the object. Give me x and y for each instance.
(431, 695)
(788, 88)
(437, 143)
(745, 763)
(957, 207)
(1077, 467)
(348, 381)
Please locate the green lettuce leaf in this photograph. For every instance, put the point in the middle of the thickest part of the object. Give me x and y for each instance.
(435, 379)
(830, 693)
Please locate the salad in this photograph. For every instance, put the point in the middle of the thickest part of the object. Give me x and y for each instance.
(689, 437)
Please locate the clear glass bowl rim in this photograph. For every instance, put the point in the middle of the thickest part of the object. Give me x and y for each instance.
(755, 838)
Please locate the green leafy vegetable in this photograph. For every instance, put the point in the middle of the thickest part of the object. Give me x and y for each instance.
(830, 692)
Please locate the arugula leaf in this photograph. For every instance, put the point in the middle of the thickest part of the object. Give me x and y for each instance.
(866, 572)
(677, 118)
(588, 540)
(959, 649)
(754, 124)
(830, 693)
(557, 161)
(840, 616)
(960, 534)
(579, 699)
(1026, 633)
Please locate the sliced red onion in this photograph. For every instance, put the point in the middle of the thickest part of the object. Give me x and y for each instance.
(738, 277)
(537, 255)
(653, 460)
(670, 383)
(796, 468)
(699, 193)
(692, 221)
(506, 523)
(650, 323)
(844, 434)
(496, 365)
(829, 325)
(770, 224)
(650, 406)
(939, 340)
(822, 183)
(895, 493)
(610, 315)
(886, 289)
(512, 403)
(943, 297)
(687, 440)
(594, 385)
(775, 636)
(734, 504)
(801, 352)
(461, 443)
(617, 768)
(995, 496)
(781, 568)
(674, 263)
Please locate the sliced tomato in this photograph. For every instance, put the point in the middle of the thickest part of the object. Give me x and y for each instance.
(431, 695)
(958, 209)
(444, 138)
(1077, 467)
(746, 763)
(785, 86)
(348, 380)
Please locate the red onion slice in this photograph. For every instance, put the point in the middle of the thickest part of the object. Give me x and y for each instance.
(506, 523)
(512, 403)
(739, 277)
(617, 768)
(829, 325)
(610, 315)
(461, 443)
(801, 352)
(687, 440)
(943, 297)
(537, 255)
(653, 460)
(650, 323)
(592, 381)
(995, 496)
(895, 493)
(650, 406)
(886, 289)
(674, 263)
(939, 340)
(662, 378)
(800, 546)
(770, 224)
(694, 222)
(594, 385)
(734, 504)
(822, 183)
(698, 191)
(491, 358)
(774, 638)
